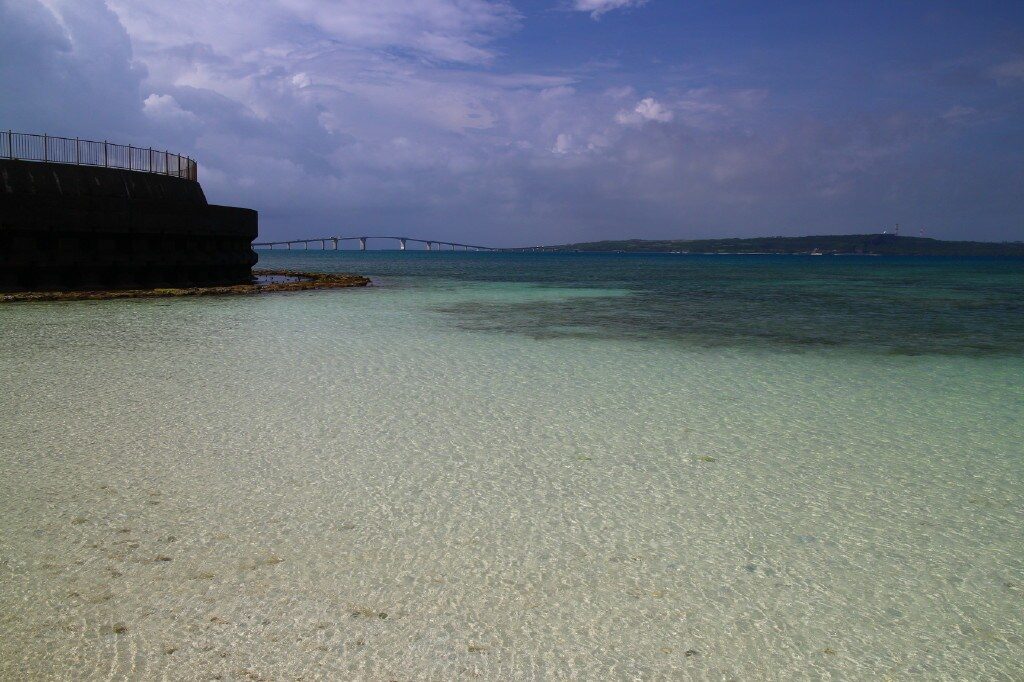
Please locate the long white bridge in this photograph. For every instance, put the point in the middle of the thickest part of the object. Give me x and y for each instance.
(431, 244)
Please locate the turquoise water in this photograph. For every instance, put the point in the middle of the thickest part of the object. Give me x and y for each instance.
(903, 306)
(495, 466)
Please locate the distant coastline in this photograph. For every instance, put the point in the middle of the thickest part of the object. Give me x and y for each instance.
(833, 245)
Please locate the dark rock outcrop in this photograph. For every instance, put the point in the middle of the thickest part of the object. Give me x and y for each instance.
(297, 281)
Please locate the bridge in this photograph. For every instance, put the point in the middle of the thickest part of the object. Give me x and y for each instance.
(431, 244)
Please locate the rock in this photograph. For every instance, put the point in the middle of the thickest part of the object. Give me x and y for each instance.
(306, 281)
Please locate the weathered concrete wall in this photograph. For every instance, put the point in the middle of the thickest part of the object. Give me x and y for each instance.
(64, 226)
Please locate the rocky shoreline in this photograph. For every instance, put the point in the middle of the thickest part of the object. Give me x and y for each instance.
(305, 281)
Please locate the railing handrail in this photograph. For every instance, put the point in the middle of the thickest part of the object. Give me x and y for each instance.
(53, 149)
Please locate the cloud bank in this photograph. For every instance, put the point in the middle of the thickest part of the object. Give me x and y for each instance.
(347, 116)
(599, 7)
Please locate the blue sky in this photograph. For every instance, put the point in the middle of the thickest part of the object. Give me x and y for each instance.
(548, 121)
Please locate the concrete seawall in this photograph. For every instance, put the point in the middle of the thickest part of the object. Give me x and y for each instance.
(71, 227)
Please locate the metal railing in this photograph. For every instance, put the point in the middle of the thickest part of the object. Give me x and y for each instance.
(31, 147)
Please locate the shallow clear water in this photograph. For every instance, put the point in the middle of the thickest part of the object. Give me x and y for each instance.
(523, 467)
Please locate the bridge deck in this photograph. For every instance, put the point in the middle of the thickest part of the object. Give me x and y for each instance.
(430, 243)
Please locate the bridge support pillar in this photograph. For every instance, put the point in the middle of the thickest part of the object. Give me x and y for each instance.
(306, 245)
(430, 247)
(362, 243)
(401, 244)
(289, 246)
(335, 240)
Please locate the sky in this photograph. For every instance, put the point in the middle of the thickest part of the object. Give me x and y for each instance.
(521, 122)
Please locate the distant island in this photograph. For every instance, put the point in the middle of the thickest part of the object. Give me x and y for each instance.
(865, 244)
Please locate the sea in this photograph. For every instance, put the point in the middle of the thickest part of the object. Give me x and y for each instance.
(522, 466)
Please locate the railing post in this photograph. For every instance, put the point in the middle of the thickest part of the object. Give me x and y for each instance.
(185, 166)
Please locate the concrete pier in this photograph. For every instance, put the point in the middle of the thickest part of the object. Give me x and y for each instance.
(66, 226)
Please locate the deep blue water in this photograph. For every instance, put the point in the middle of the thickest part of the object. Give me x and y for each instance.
(886, 305)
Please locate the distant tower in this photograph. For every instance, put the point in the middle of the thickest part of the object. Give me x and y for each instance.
(897, 230)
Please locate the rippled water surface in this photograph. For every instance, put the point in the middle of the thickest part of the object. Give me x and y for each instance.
(495, 466)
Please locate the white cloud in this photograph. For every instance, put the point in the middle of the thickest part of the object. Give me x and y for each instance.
(559, 91)
(621, 92)
(647, 109)
(652, 110)
(1008, 72)
(165, 109)
(599, 7)
(328, 112)
(959, 114)
(445, 30)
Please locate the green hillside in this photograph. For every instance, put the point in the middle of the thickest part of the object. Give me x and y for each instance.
(875, 244)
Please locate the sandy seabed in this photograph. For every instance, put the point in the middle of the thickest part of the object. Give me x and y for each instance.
(351, 485)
